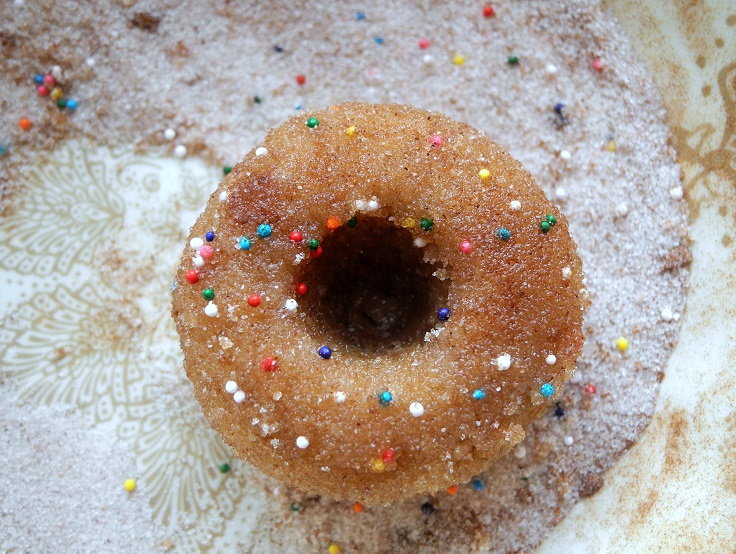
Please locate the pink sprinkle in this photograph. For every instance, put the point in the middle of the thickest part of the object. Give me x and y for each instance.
(466, 247)
(598, 65)
(206, 251)
(423, 43)
(49, 80)
(438, 140)
(42, 90)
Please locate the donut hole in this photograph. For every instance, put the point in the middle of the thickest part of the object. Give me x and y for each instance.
(371, 287)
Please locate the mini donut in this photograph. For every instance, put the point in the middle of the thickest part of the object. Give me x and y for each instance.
(376, 302)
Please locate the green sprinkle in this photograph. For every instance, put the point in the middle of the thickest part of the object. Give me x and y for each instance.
(227, 169)
(208, 294)
(313, 244)
(224, 468)
(257, 99)
(61, 103)
(513, 60)
(295, 507)
(544, 226)
(551, 219)
(312, 122)
(352, 222)
(426, 224)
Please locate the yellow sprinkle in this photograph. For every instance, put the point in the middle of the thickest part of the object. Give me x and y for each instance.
(129, 485)
(484, 173)
(622, 343)
(458, 59)
(612, 146)
(56, 94)
(333, 549)
(409, 223)
(378, 466)
(350, 131)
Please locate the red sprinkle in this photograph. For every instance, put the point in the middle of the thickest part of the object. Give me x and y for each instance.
(295, 236)
(466, 247)
(423, 43)
(269, 364)
(301, 289)
(488, 11)
(25, 123)
(316, 253)
(438, 140)
(388, 455)
(598, 65)
(206, 251)
(254, 300)
(452, 489)
(192, 277)
(590, 388)
(301, 79)
(42, 90)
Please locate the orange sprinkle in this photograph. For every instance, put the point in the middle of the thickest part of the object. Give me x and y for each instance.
(25, 123)
(358, 507)
(452, 489)
(333, 223)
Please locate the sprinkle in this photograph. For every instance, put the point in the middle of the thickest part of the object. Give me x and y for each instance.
(512, 60)
(385, 398)
(437, 141)
(378, 466)
(244, 243)
(24, 123)
(223, 196)
(301, 289)
(416, 409)
(129, 485)
(180, 151)
(169, 134)
(466, 247)
(313, 244)
(198, 261)
(301, 79)
(49, 80)
(503, 233)
(312, 122)
(515, 205)
(503, 362)
(227, 169)
(559, 410)
(622, 343)
(566, 272)
(254, 300)
(350, 131)
(38, 79)
(478, 484)
(409, 223)
(352, 222)
(622, 209)
(208, 294)
(261, 151)
(239, 397)
(423, 43)
(294, 506)
(598, 65)
(426, 224)
(324, 352)
(452, 489)
(358, 508)
(484, 173)
(192, 277)
(316, 253)
(269, 364)
(551, 69)
(565, 155)
(332, 223)
(379, 40)
(340, 397)
(333, 549)
(443, 314)
(612, 146)
(388, 455)
(590, 389)
(302, 442)
(231, 387)
(295, 236)
(209, 236)
(372, 205)
(42, 90)
(458, 59)
(196, 243)
(551, 359)
(359, 16)
(206, 251)
(264, 230)
(61, 103)
(420, 242)
(479, 394)
(569, 440)
(667, 314)
(676, 193)
(488, 11)
(558, 108)
(427, 509)
(560, 192)
(211, 309)
(547, 390)
(290, 304)
(224, 468)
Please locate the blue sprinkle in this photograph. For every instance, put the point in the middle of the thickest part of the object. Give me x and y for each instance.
(558, 108)
(173, 286)
(547, 390)
(379, 40)
(478, 484)
(244, 243)
(264, 230)
(325, 352)
(297, 106)
(503, 233)
(360, 16)
(39, 79)
(71, 104)
(385, 398)
(479, 394)
(210, 236)
(3, 150)
(443, 314)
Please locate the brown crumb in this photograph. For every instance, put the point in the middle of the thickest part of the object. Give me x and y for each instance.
(145, 21)
(679, 256)
(591, 484)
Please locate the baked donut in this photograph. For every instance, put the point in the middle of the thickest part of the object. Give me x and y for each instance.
(376, 302)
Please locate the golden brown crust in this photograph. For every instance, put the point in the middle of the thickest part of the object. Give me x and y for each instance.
(519, 297)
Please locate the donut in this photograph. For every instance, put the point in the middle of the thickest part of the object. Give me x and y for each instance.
(376, 302)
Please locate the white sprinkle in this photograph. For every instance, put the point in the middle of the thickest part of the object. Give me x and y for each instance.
(504, 362)
(566, 272)
(277, 395)
(290, 304)
(360, 204)
(515, 205)
(239, 396)
(416, 409)
(565, 155)
(569, 440)
(211, 309)
(302, 442)
(231, 387)
(622, 209)
(198, 261)
(560, 192)
(196, 243)
(551, 69)
(427, 58)
(372, 205)
(261, 151)
(520, 451)
(340, 397)
(551, 359)
(420, 242)
(169, 134)
(180, 151)
(223, 196)
(56, 72)
(667, 314)
(90, 62)
(676, 193)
